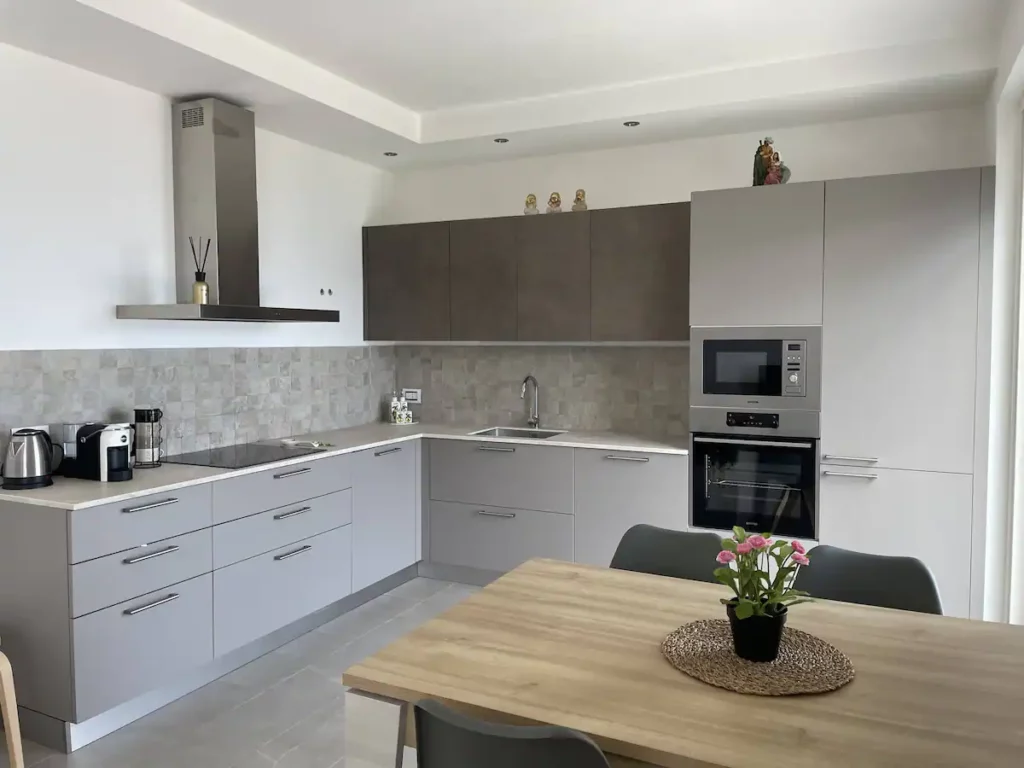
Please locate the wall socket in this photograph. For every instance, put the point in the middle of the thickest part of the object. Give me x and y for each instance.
(413, 396)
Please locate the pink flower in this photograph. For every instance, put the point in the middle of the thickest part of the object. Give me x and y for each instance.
(800, 559)
(757, 541)
(744, 547)
(725, 556)
(798, 547)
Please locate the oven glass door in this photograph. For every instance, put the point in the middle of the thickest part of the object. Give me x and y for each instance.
(748, 367)
(758, 484)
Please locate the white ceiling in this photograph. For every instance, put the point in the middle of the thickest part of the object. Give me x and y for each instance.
(436, 80)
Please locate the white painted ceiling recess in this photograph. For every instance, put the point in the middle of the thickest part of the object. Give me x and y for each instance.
(437, 81)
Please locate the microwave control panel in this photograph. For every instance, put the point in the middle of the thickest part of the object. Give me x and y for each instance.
(758, 420)
(794, 368)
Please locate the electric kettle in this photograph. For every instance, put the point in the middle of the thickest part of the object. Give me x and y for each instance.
(30, 461)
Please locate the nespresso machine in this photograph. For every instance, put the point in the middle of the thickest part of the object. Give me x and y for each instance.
(104, 452)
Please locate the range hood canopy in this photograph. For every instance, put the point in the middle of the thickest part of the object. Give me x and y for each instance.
(214, 146)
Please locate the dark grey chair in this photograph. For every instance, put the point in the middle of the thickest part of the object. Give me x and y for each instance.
(448, 739)
(663, 552)
(855, 577)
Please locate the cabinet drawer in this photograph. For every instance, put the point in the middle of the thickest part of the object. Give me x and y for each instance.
(496, 539)
(502, 474)
(246, 495)
(141, 645)
(256, 534)
(257, 596)
(113, 579)
(98, 531)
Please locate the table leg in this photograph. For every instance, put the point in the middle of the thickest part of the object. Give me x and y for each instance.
(374, 731)
(9, 710)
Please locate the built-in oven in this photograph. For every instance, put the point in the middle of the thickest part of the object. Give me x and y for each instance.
(764, 367)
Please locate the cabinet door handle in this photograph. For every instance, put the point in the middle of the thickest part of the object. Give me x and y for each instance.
(151, 555)
(155, 604)
(154, 505)
(485, 513)
(298, 551)
(862, 475)
(496, 449)
(293, 473)
(293, 513)
(865, 459)
(386, 452)
(640, 459)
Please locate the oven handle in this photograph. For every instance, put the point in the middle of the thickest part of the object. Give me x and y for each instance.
(737, 441)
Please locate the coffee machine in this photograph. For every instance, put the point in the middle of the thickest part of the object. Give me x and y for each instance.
(104, 452)
(148, 437)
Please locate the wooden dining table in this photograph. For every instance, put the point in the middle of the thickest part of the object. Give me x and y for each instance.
(578, 646)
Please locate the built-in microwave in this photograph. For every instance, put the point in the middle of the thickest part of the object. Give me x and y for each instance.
(775, 367)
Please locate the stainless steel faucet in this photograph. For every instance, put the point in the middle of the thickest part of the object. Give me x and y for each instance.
(534, 421)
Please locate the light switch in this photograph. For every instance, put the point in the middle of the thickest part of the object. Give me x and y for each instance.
(413, 396)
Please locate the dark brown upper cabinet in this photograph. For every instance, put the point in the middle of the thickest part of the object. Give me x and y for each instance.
(640, 265)
(553, 258)
(483, 279)
(406, 282)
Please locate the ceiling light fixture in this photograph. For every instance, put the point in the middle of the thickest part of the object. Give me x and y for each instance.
(631, 123)
(501, 141)
(390, 154)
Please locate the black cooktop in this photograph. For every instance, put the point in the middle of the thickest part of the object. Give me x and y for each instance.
(239, 456)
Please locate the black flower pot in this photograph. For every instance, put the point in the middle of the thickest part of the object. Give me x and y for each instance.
(757, 638)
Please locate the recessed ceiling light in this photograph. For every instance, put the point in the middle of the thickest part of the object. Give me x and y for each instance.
(631, 123)
(390, 154)
(501, 141)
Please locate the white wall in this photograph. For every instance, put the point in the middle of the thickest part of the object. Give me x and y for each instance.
(658, 173)
(86, 219)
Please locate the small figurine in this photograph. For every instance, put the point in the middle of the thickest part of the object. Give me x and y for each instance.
(768, 167)
(531, 205)
(580, 203)
(555, 203)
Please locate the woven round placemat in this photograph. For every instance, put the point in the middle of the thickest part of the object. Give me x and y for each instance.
(806, 664)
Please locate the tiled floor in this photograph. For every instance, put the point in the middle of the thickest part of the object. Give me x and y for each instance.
(285, 709)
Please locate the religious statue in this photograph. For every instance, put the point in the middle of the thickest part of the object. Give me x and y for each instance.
(531, 205)
(768, 167)
(580, 203)
(555, 203)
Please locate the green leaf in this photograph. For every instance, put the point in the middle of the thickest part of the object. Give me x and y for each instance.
(798, 601)
(740, 534)
(745, 609)
(729, 544)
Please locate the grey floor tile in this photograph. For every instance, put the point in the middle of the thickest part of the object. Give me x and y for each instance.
(315, 742)
(369, 615)
(419, 589)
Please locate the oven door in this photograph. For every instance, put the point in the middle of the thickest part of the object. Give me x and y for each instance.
(761, 485)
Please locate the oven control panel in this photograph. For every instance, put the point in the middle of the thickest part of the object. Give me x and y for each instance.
(759, 420)
(794, 368)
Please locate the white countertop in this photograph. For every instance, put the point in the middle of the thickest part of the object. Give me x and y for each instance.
(67, 493)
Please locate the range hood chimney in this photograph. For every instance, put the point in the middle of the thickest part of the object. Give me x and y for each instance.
(214, 146)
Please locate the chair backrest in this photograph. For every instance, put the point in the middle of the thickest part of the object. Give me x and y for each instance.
(856, 577)
(680, 554)
(448, 739)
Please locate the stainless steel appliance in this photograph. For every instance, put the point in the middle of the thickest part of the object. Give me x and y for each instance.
(766, 367)
(30, 461)
(242, 455)
(148, 437)
(104, 452)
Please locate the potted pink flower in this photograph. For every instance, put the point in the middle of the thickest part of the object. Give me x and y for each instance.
(762, 595)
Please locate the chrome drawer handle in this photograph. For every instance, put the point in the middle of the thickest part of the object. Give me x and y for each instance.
(389, 450)
(485, 513)
(155, 604)
(495, 449)
(154, 505)
(862, 475)
(293, 513)
(640, 459)
(293, 473)
(298, 551)
(865, 459)
(151, 555)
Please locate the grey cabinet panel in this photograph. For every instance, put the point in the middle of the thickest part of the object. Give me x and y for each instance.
(616, 490)
(250, 536)
(98, 531)
(502, 474)
(406, 282)
(246, 495)
(496, 538)
(640, 271)
(483, 279)
(257, 596)
(383, 513)
(756, 255)
(901, 317)
(553, 258)
(113, 579)
(118, 656)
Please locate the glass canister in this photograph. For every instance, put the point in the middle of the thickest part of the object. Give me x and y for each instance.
(148, 436)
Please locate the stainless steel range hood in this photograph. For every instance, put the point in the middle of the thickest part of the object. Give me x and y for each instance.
(214, 145)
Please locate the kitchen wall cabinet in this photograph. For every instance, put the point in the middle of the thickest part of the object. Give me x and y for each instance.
(756, 255)
(640, 263)
(926, 515)
(901, 320)
(483, 280)
(406, 282)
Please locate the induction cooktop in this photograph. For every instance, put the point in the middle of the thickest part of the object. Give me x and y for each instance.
(241, 455)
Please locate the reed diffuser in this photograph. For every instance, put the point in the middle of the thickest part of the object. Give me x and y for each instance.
(200, 288)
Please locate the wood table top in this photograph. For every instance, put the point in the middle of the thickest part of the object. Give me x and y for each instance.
(579, 646)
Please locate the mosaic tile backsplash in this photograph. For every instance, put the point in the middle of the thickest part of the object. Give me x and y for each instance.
(635, 390)
(210, 397)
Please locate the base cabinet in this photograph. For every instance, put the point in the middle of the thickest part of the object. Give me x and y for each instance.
(926, 515)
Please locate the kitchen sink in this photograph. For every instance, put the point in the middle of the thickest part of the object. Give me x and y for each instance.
(532, 434)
